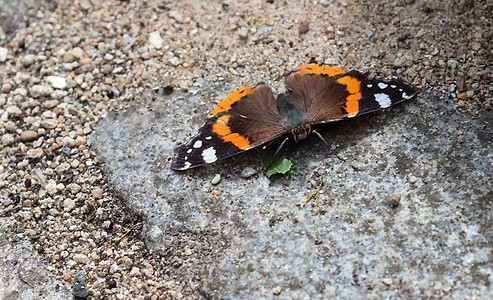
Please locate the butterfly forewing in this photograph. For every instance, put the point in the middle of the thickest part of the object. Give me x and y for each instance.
(247, 118)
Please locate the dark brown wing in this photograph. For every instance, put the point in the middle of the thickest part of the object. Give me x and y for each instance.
(326, 97)
(247, 118)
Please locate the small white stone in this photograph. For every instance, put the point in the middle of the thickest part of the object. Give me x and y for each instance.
(35, 153)
(40, 91)
(13, 111)
(155, 40)
(7, 139)
(174, 61)
(3, 54)
(50, 187)
(216, 179)
(57, 82)
(68, 204)
(49, 123)
(80, 258)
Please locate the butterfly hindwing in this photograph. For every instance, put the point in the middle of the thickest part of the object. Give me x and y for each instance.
(330, 96)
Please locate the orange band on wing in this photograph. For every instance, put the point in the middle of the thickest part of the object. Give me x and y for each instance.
(318, 69)
(222, 129)
(236, 95)
(353, 87)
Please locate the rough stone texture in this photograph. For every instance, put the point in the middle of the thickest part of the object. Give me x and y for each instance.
(23, 272)
(249, 237)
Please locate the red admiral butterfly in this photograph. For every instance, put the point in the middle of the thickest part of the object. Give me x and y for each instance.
(252, 116)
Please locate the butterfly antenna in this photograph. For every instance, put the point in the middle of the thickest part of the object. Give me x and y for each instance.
(277, 151)
(280, 146)
(327, 144)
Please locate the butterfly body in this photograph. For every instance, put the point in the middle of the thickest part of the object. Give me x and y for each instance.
(252, 116)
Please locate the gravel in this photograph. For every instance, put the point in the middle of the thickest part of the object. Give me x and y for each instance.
(65, 66)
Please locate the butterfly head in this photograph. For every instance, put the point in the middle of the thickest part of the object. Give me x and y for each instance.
(301, 132)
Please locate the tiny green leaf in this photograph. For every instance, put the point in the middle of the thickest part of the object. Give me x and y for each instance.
(279, 166)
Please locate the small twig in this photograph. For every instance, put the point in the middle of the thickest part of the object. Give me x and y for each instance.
(315, 195)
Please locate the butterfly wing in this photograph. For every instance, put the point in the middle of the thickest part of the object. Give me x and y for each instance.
(247, 118)
(326, 94)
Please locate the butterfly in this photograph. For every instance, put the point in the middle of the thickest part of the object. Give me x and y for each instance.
(316, 94)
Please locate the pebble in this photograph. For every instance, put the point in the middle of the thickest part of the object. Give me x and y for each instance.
(276, 290)
(60, 187)
(80, 258)
(387, 281)
(155, 40)
(80, 291)
(38, 91)
(461, 138)
(28, 60)
(49, 123)
(175, 61)
(57, 82)
(355, 165)
(7, 139)
(97, 193)
(248, 172)
(216, 179)
(77, 52)
(395, 200)
(6, 87)
(35, 153)
(10, 126)
(412, 179)
(13, 111)
(243, 33)
(50, 187)
(303, 28)
(176, 15)
(74, 188)
(80, 140)
(49, 104)
(68, 204)
(62, 168)
(3, 54)
(80, 277)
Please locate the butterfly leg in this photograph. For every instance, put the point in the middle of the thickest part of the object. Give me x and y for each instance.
(327, 144)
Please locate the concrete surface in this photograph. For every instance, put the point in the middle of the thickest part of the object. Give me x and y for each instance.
(409, 213)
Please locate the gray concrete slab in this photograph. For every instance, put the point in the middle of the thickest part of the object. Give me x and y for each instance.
(414, 218)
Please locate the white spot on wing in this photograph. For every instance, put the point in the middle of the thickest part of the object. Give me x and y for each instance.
(244, 117)
(393, 86)
(369, 85)
(405, 96)
(209, 155)
(187, 165)
(383, 100)
(208, 137)
(189, 151)
(197, 144)
(382, 85)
